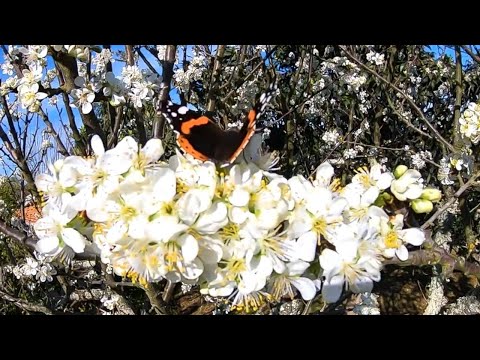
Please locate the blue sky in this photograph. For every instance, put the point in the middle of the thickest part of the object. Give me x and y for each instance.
(57, 118)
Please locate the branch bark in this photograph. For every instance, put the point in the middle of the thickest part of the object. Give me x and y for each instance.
(457, 138)
(167, 73)
(215, 78)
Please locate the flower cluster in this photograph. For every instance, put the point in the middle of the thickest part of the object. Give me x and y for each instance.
(470, 122)
(39, 269)
(241, 232)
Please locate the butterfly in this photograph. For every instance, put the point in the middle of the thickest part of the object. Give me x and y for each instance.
(199, 136)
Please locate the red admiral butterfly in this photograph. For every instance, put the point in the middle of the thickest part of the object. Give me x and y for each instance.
(201, 137)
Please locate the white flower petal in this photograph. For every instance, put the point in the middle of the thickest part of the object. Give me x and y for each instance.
(191, 204)
(222, 291)
(43, 181)
(153, 150)
(45, 227)
(332, 290)
(337, 206)
(248, 283)
(189, 247)
(324, 174)
(47, 245)
(238, 215)
(412, 236)
(165, 186)
(164, 228)
(402, 253)
(329, 260)
(414, 191)
(193, 270)
(300, 187)
(239, 197)
(385, 180)
(137, 226)
(306, 287)
(173, 277)
(318, 199)
(297, 268)
(305, 246)
(362, 285)
(370, 195)
(97, 145)
(74, 239)
(210, 254)
(116, 232)
(86, 108)
(213, 219)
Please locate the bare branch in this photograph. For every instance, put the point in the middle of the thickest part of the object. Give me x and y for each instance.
(167, 73)
(68, 68)
(112, 141)
(471, 53)
(73, 126)
(215, 77)
(145, 60)
(457, 137)
(20, 237)
(60, 146)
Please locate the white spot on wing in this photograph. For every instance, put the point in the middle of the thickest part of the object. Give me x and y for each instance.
(174, 114)
(182, 110)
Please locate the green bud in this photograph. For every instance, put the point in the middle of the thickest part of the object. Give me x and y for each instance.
(399, 171)
(387, 197)
(431, 194)
(421, 206)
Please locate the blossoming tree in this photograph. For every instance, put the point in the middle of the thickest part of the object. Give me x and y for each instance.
(363, 159)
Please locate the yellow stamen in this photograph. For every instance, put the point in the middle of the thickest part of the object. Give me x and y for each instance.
(182, 188)
(391, 240)
(320, 226)
(230, 232)
(336, 185)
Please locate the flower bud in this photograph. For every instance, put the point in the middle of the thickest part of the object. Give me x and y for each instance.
(383, 199)
(421, 206)
(431, 194)
(399, 171)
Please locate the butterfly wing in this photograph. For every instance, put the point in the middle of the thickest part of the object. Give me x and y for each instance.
(249, 124)
(199, 136)
(196, 134)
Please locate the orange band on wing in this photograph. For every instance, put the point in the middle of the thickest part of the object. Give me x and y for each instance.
(244, 143)
(251, 116)
(188, 148)
(188, 125)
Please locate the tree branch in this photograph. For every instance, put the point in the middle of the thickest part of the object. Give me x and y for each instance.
(25, 305)
(457, 138)
(60, 146)
(449, 203)
(167, 73)
(215, 77)
(438, 136)
(471, 53)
